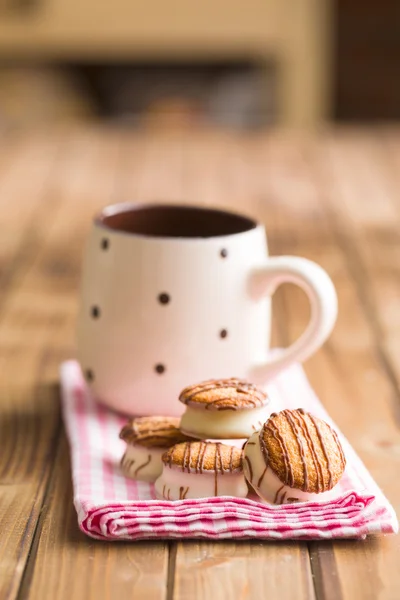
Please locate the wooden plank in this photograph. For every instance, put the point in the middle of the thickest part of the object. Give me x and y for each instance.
(30, 327)
(372, 240)
(27, 418)
(47, 299)
(242, 570)
(26, 169)
(67, 564)
(349, 376)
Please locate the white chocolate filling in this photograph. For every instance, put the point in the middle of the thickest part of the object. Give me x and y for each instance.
(173, 484)
(267, 484)
(142, 463)
(222, 424)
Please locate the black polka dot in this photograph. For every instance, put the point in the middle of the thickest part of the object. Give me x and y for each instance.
(223, 333)
(224, 253)
(164, 298)
(89, 375)
(160, 369)
(95, 312)
(105, 242)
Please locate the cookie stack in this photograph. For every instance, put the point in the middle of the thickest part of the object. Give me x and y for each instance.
(284, 457)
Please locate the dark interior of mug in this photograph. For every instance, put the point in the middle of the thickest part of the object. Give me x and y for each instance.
(174, 221)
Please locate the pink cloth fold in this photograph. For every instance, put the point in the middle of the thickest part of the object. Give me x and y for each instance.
(112, 507)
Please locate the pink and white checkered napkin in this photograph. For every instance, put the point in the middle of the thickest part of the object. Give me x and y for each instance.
(112, 507)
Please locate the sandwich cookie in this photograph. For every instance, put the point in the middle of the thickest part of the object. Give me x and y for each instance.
(201, 470)
(295, 457)
(147, 438)
(223, 409)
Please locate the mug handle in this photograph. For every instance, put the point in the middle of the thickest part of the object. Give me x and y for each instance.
(312, 278)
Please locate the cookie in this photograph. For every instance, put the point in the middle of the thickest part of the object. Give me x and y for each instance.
(223, 409)
(201, 470)
(293, 458)
(147, 438)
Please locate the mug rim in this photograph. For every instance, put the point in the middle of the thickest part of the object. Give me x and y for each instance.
(111, 210)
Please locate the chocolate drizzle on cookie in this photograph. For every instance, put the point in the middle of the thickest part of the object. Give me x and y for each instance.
(128, 463)
(303, 451)
(167, 497)
(140, 467)
(319, 468)
(259, 482)
(182, 492)
(277, 494)
(289, 476)
(297, 434)
(200, 457)
(249, 467)
(224, 394)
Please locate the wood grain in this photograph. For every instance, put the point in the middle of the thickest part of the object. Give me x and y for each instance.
(332, 198)
(28, 415)
(56, 271)
(370, 245)
(242, 570)
(67, 564)
(353, 382)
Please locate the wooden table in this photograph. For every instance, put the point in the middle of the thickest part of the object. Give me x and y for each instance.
(334, 198)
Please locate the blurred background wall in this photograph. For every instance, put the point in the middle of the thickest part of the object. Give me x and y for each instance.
(217, 62)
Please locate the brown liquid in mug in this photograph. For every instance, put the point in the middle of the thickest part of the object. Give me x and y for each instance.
(173, 221)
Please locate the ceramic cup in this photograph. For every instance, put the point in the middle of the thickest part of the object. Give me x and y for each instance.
(173, 295)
